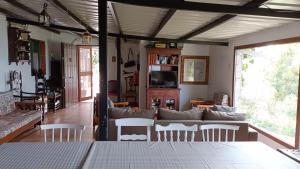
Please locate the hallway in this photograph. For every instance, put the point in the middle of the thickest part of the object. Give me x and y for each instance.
(81, 113)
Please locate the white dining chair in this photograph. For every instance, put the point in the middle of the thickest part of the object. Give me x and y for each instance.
(134, 122)
(209, 132)
(61, 127)
(178, 128)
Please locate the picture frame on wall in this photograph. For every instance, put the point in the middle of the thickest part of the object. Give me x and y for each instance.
(194, 70)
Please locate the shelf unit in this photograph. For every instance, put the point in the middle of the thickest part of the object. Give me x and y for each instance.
(19, 45)
(163, 59)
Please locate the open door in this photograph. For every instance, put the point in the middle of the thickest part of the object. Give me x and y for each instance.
(85, 72)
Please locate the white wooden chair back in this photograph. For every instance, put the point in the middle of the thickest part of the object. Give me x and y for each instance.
(211, 129)
(178, 128)
(134, 122)
(60, 127)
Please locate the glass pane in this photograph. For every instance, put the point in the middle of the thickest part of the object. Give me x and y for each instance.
(266, 87)
(85, 86)
(85, 60)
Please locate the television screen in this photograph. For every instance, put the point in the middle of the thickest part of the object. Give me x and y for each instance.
(163, 79)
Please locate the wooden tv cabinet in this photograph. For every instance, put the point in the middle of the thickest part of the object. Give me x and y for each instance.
(164, 96)
(163, 59)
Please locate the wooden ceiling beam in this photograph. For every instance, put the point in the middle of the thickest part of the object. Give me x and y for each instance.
(164, 21)
(219, 21)
(60, 6)
(22, 6)
(214, 8)
(125, 36)
(11, 14)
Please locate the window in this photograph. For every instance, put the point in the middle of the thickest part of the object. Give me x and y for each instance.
(266, 87)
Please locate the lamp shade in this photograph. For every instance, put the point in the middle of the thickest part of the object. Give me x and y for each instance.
(87, 38)
(44, 17)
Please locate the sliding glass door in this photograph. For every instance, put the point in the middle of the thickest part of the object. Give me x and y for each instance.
(266, 88)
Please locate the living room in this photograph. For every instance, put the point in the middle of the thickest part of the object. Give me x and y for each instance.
(229, 54)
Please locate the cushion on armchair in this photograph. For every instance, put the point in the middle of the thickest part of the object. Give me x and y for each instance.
(220, 115)
(7, 103)
(223, 108)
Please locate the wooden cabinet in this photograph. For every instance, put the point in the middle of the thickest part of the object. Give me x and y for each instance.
(162, 94)
(167, 98)
(19, 45)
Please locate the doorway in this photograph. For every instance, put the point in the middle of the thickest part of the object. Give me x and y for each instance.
(88, 63)
(85, 73)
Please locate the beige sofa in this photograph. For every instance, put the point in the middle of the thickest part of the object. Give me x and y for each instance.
(244, 134)
(14, 121)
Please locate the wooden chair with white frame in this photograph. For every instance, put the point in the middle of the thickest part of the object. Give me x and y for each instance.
(134, 122)
(178, 128)
(208, 136)
(61, 127)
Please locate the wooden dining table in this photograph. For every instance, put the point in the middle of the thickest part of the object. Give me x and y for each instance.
(143, 155)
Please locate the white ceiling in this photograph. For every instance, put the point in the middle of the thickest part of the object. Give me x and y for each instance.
(137, 20)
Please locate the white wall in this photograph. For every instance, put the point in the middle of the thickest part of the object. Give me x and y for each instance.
(221, 60)
(53, 48)
(187, 92)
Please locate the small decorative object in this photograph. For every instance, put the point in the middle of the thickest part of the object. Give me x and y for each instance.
(114, 59)
(172, 45)
(130, 60)
(163, 60)
(173, 59)
(87, 38)
(44, 17)
(194, 70)
(160, 45)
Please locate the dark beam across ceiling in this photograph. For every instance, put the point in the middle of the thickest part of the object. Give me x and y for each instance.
(22, 6)
(219, 21)
(163, 22)
(11, 14)
(118, 35)
(115, 16)
(59, 5)
(214, 8)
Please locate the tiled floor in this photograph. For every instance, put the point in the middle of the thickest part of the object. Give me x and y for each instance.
(81, 113)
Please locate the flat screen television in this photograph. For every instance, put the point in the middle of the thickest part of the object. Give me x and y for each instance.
(163, 79)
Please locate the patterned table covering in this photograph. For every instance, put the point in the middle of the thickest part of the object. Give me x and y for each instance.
(143, 155)
(43, 155)
(159, 155)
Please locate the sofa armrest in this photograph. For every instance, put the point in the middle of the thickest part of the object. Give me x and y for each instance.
(252, 135)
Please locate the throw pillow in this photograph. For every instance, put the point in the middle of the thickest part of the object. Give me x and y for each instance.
(7, 103)
(223, 108)
(118, 113)
(219, 115)
(193, 114)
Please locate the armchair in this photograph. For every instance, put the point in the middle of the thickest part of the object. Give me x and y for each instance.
(109, 104)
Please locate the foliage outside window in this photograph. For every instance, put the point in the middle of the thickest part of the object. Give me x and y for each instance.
(266, 87)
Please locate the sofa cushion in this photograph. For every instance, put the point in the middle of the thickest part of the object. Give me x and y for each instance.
(17, 119)
(118, 113)
(219, 115)
(193, 114)
(7, 103)
(223, 108)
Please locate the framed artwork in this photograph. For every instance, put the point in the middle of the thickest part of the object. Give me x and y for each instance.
(194, 70)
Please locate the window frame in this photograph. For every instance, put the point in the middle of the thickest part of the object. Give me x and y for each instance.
(260, 130)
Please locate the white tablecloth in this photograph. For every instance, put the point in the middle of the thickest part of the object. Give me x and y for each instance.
(157, 155)
(43, 155)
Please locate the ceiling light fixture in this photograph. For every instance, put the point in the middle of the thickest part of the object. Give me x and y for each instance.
(44, 17)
